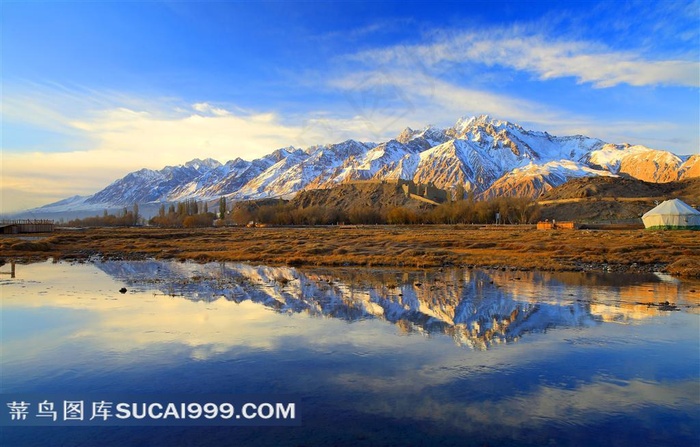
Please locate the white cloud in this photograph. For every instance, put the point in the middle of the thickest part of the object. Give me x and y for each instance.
(413, 97)
(208, 109)
(416, 98)
(206, 131)
(119, 134)
(394, 87)
(588, 62)
(122, 139)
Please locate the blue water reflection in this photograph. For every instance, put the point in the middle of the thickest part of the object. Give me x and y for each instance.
(380, 357)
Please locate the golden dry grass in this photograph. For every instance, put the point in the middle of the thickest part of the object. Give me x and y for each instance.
(677, 252)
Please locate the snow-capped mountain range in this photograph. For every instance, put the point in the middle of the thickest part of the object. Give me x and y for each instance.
(484, 155)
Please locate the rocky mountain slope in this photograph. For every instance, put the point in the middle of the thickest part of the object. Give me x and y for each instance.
(486, 156)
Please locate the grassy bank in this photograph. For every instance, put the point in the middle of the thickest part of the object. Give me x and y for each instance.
(675, 252)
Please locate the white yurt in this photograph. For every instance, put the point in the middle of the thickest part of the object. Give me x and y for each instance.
(672, 214)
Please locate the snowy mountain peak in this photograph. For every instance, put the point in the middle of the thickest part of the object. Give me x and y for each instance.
(238, 161)
(207, 163)
(406, 135)
(638, 161)
(486, 129)
(282, 153)
(479, 153)
(428, 137)
(467, 122)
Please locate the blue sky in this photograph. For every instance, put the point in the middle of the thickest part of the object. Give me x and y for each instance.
(94, 90)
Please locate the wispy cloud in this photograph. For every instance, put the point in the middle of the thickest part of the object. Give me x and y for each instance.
(545, 58)
(368, 95)
(203, 130)
(114, 134)
(410, 92)
(387, 100)
(466, 73)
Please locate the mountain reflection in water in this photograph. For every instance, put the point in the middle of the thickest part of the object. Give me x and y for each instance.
(476, 308)
(620, 368)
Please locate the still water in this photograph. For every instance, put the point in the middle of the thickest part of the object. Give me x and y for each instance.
(378, 357)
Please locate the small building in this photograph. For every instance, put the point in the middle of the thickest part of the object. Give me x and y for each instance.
(672, 214)
(26, 226)
(9, 228)
(554, 225)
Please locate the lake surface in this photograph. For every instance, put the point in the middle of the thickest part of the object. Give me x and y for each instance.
(377, 357)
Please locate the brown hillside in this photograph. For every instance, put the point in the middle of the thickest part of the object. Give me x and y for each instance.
(584, 200)
(597, 187)
(596, 199)
(377, 195)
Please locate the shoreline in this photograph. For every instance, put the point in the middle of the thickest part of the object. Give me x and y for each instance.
(421, 246)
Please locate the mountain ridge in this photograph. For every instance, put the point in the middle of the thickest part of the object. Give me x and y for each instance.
(486, 156)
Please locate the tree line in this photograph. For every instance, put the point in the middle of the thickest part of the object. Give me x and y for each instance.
(193, 214)
(125, 218)
(187, 214)
(505, 210)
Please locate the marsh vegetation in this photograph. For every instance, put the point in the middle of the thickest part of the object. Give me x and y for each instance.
(521, 247)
